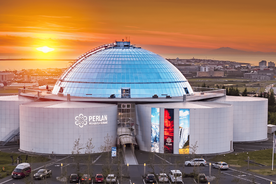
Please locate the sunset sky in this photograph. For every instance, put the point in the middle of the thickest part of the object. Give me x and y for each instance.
(170, 28)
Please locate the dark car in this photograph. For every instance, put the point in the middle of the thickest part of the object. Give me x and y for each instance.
(202, 178)
(99, 178)
(74, 178)
(86, 178)
(150, 178)
(42, 174)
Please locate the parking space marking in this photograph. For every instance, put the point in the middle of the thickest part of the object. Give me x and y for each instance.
(143, 181)
(6, 181)
(254, 175)
(239, 177)
(163, 159)
(97, 158)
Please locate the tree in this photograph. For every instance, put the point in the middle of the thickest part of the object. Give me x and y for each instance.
(106, 148)
(89, 150)
(244, 93)
(271, 98)
(237, 92)
(76, 151)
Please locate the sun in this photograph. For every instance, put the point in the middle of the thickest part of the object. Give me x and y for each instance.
(45, 49)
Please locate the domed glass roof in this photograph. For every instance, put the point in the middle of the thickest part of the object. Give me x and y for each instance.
(123, 70)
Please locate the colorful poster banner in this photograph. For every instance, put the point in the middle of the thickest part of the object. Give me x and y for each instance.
(155, 134)
(184, 131)
(168, 130)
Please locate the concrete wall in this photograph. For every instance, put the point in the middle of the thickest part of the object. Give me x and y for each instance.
(249, 117)
(211, 127)
(9, 115)
(47, 127)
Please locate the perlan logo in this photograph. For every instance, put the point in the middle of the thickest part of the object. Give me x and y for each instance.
(81, 120)
(169, 141)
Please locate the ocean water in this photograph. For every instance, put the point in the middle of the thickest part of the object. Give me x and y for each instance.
(18, 64)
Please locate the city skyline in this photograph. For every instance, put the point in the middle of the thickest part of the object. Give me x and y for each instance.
(172, 29)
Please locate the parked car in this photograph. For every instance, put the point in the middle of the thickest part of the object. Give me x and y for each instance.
(163, 178)
(86, 178)
(176, 176)
(22, 170)
(99, 178)
(150, 178)
(196, 162)
(202, 178)
(111, 178)
(221, 165)
(74, 178)
(42, 174)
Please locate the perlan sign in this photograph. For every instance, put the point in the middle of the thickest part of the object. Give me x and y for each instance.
(82, 120)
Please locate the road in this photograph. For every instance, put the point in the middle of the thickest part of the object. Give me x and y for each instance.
(155, 163)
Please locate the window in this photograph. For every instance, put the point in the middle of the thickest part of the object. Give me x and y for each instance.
(125, 92)
(186, 91)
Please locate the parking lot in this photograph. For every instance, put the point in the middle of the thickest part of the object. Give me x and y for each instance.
(147, 163)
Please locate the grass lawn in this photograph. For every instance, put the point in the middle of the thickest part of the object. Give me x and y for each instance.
(252, 86)
(5, 161)
(265, 172)
(239, 159)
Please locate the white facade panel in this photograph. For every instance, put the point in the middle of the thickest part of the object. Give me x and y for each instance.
(9, 115)
(211, 126)
(51, 128)
(249, 117)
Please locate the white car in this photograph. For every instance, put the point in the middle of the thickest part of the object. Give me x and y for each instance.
(111, 178)
(221, 165)
(163, 178)
(196, 162)
(176, 176)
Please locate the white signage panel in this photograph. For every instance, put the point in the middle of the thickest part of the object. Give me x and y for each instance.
(82, 120)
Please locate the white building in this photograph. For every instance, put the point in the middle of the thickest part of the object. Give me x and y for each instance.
(130, 96)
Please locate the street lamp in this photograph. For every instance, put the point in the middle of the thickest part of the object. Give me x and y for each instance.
(145, 169)
(210, 169)
(128, 168)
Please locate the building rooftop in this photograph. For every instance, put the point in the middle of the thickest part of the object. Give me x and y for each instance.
(120, 66)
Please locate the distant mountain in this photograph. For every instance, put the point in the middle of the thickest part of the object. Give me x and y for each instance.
(228, 50)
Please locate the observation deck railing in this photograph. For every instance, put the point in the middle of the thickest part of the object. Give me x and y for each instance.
(209, 90)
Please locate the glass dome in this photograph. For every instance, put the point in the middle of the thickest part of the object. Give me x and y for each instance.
(122, 70)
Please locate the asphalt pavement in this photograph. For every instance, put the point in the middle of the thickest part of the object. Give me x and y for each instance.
(147, 163)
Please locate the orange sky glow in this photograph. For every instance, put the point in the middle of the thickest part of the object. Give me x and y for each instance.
(171, 28)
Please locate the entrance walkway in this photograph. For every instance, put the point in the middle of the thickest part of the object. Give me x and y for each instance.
(130, 157)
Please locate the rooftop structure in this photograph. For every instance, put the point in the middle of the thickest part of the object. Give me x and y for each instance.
(124, 71)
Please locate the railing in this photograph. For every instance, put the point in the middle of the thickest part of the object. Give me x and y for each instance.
(29, 92)
(13, 135)
(209, 90)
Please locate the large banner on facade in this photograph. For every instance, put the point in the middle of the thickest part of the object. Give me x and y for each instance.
(184, 131)
(155, 134)
(168, 130)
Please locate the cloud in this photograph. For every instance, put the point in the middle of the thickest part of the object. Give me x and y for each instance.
(184, 113)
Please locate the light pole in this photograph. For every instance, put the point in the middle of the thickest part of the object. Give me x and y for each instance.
(145, 169)
(210, 169)
(61, 164)
(248, 163)
(128, 168)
